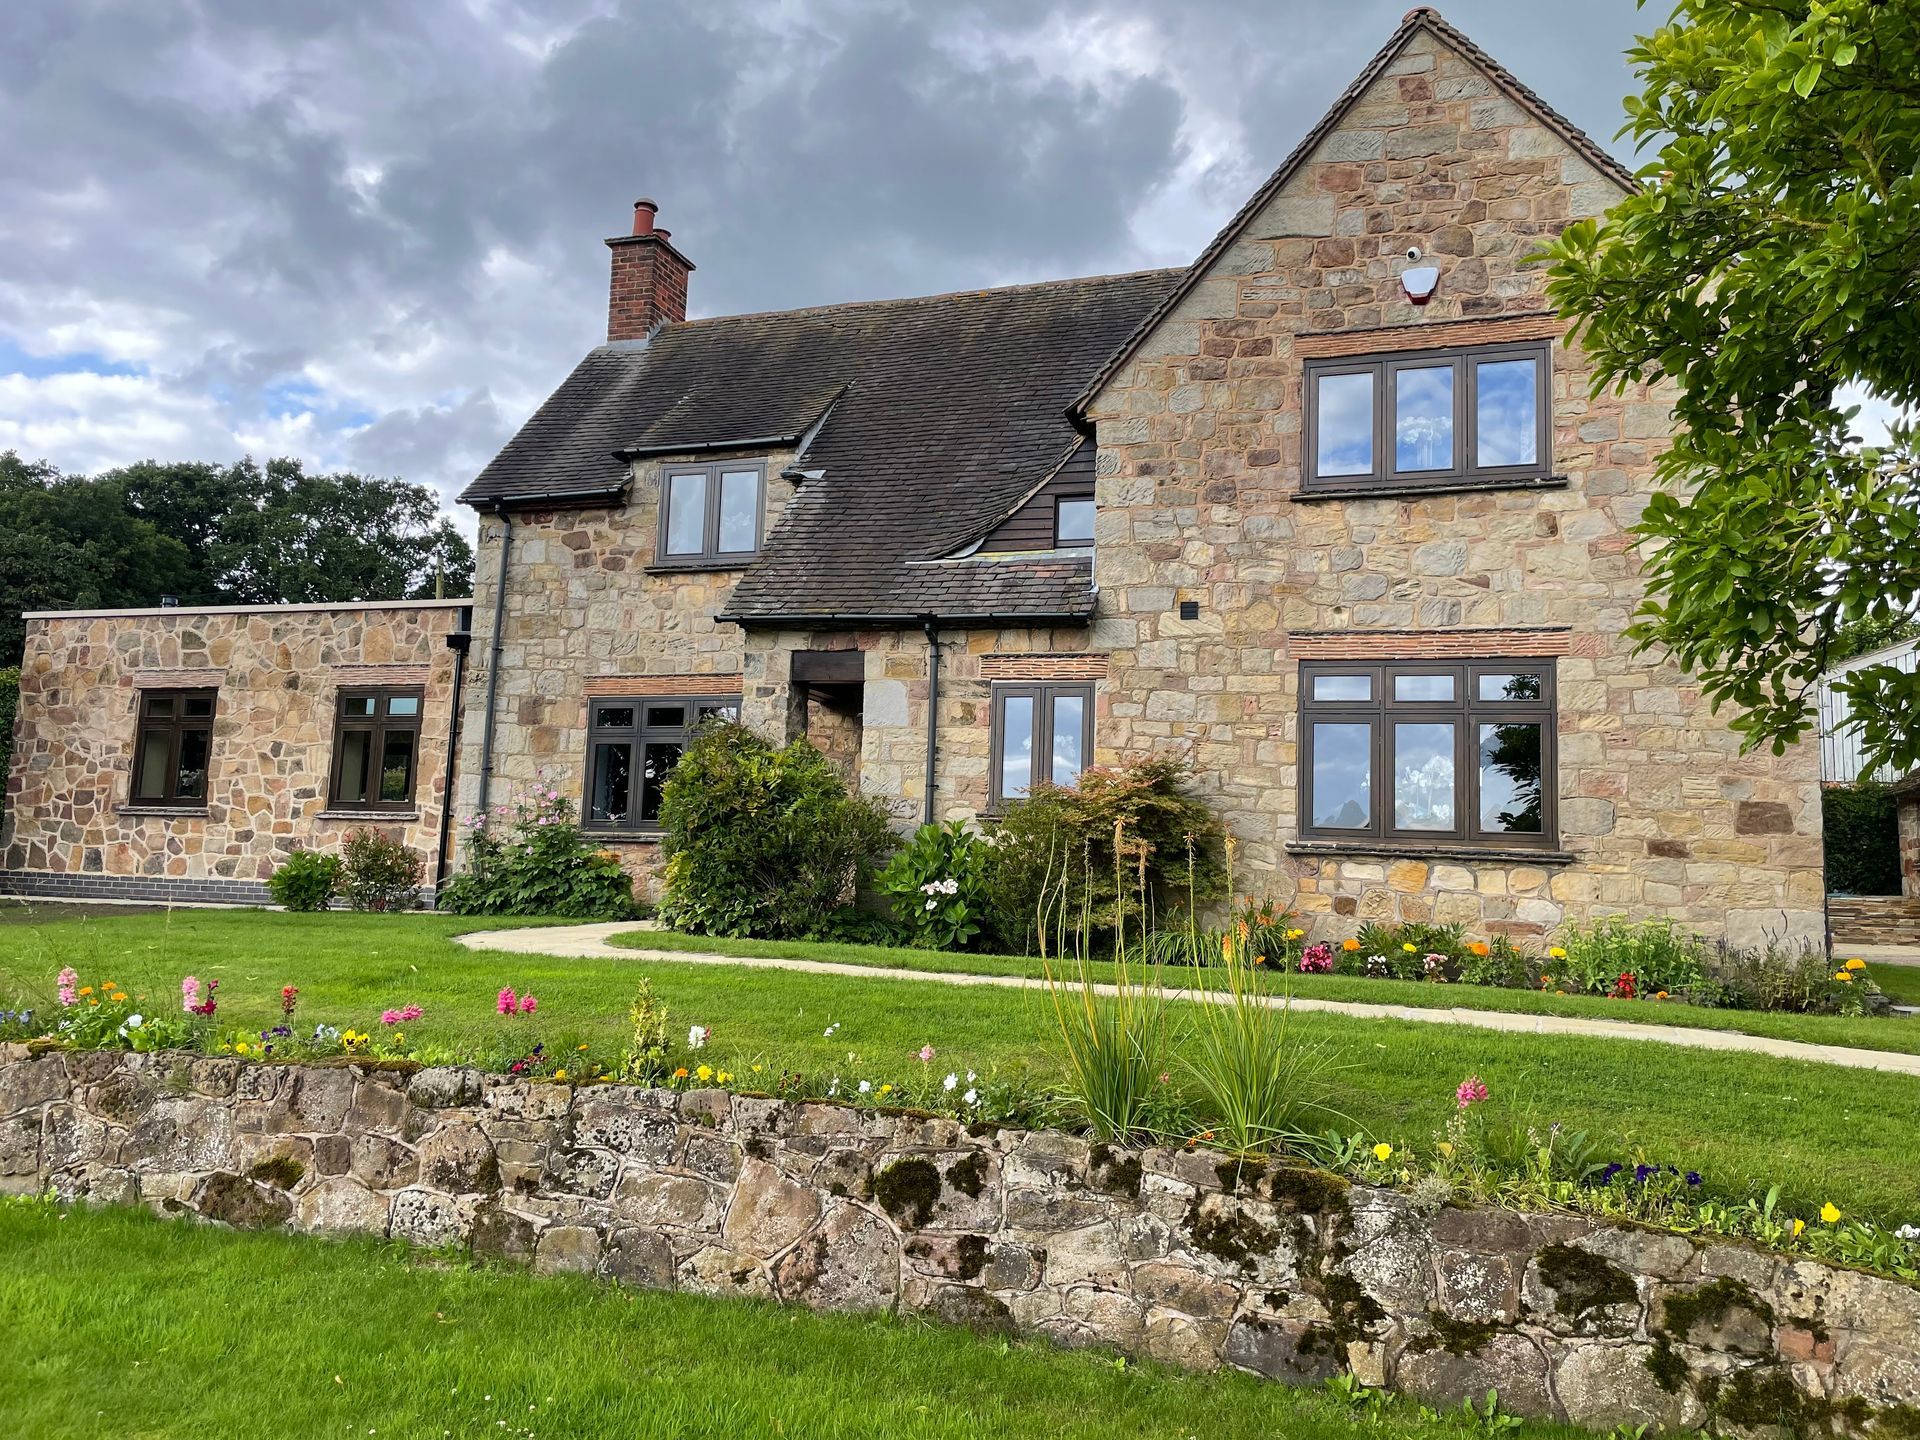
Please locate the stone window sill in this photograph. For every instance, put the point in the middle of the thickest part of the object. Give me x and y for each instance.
(368, 816)
(625, 837)
(697, 567)
(1377, 490)
(165, 812)
(1483, 854)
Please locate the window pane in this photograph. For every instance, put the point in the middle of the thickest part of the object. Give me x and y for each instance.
(1511, 687)
(1423, 777)
(197, 707)
(357, 707)
(1427, 688)
(150, 774)
(1069, 721)
(160, 707)
(396, 767)
(1506, 415)
(686, 514)
(403, 705)
(666, 717)
(356, 764)
(1342, 786)
(613, 717)
(1510, 789)
(610, 791)
(1423, 418)
(1343, 687)
(190, 776)
(726, 711)
(1073, 522)
(1016, 745)
(1343, 424)
(739, 510)
(659, 763)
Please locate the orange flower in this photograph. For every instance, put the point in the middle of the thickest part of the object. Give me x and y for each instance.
(1349, 944)
(1480, 947)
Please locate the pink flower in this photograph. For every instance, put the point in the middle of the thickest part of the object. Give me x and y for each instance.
(1317, 959)
(1471, 1092)
(528, 1004)
(190, 995)
(68, 981)
(926, 1053)
(411, 1012)
(506, 1004)
(389, 1017)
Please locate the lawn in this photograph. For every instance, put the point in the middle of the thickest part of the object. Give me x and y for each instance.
(125, 1325)
(1820, 1132)
(1901, 1035)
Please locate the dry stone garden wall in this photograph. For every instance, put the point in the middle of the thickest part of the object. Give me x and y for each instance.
(1172, 1254)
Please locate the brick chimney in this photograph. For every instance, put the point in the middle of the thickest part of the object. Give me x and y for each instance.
(649, 285)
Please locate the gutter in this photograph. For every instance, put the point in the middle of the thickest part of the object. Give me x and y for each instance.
(460, 641)
(854, 620)
(493, 649)
(702, 447)
(933, 713)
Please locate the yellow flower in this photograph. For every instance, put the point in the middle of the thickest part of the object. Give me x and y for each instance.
(1295, 934)
(1846, 975)
(1659, 994)
(1830, 1213)
(1856, 965)
(886, 1089)
(86, 989)
(1557, 953)
(1349, 944)
(705, 1072)
(1798, 1226)
(724, 1077)
(1445, 1147)
(1383, 1151)
(241, 1046)
(756, 1069)
(1409, 947)
(559, 1074)
(580, 1047)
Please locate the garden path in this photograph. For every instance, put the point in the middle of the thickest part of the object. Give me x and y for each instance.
(592, 941)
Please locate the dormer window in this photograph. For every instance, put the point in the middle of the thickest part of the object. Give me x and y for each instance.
(1072, 521)
(711, 516)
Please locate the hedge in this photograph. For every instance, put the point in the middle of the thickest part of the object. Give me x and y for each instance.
(9, 703)
(1863, 839)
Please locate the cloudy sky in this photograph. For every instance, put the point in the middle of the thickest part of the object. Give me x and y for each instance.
(368, 234)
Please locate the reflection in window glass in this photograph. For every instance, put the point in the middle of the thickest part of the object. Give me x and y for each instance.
(657, 766)
(1423, 418)
(396, 767)
(356, 766)
(686, 513)
(151, 773)
(666, 715)
(1510, 779)
(739, 510)
(612, 782)
(1016, 746)
(613, 717)
(1506, 413)
(728, 713)
(1423, 777)
(1423, 687)
(1510, 687)
(1342, 795)
(1069, 717)
(358, 707)
(1343, 687)
(1073, 522)
(197, 707)
(160, 707)
(403, 705)
(191, 773)
(1343, 424)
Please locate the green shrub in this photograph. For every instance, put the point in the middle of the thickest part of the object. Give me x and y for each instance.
(306, 881)
(1785, 977)
(1055, 871)
(9, 704)
(1862, 839)
(1407, 946)
(645, 1059)
(1502, 964)
(541, 866)
(378, 873)
(761, 841)
(1656, 953)
(941, 886)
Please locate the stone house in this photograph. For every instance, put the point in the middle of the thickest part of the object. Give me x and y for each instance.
(1332, 510)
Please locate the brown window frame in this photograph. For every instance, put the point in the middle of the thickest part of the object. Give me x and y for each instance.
(378, 726)
(1465, 362)
(1063, 544)
(1466, 712)
(174, 726)
(1045, 695)
(710, 556)
(637, 736)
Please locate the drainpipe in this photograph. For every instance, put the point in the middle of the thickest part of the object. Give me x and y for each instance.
(933, 714)
(459, 642)
(493, 649)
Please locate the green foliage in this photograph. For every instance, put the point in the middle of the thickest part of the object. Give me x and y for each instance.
(1055, 867)
(306, 881)
(1862, 831)
(762, 841)
(377, 872)
(645, 1058)
(1765, 264)
(1405, 948)
(1658, 954)
(941, 886)
(1503, 964)
(543, 865)
(1802, 979)
(242, 534)
(9, 704)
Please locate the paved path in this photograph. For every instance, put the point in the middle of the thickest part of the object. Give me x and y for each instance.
(592, 941)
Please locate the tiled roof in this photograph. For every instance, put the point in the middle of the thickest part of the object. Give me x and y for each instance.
(941, 413)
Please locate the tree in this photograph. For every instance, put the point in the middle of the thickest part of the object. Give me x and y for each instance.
(1770, 258)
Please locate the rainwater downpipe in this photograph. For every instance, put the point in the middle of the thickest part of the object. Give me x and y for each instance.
(493, 650)
(933, 714)
(458, 642)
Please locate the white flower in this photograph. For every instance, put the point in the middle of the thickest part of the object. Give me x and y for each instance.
(971, 1077)
(697, 1037)
(951, 887)
(949, 1082)
(866, 1087)
(1908, 1232)
(933, 904)
(136, 1021)
(834, 1088)
(972, 1097)
(828, 1032)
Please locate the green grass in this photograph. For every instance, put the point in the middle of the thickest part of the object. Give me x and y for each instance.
(1745, 1121)
(1900, 1035)
(123, 1325)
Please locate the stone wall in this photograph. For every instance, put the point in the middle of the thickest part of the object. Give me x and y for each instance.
(1291, 1274)
(1907, 813)
(1200, 456)
(70, 829)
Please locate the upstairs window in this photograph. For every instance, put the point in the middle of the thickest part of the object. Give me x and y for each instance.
(1072, 521)
(632, 747)
(1040, 734)
(711, 515)
(1460, 753)
(173, 748)
(376, 749)
(1428, 417)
